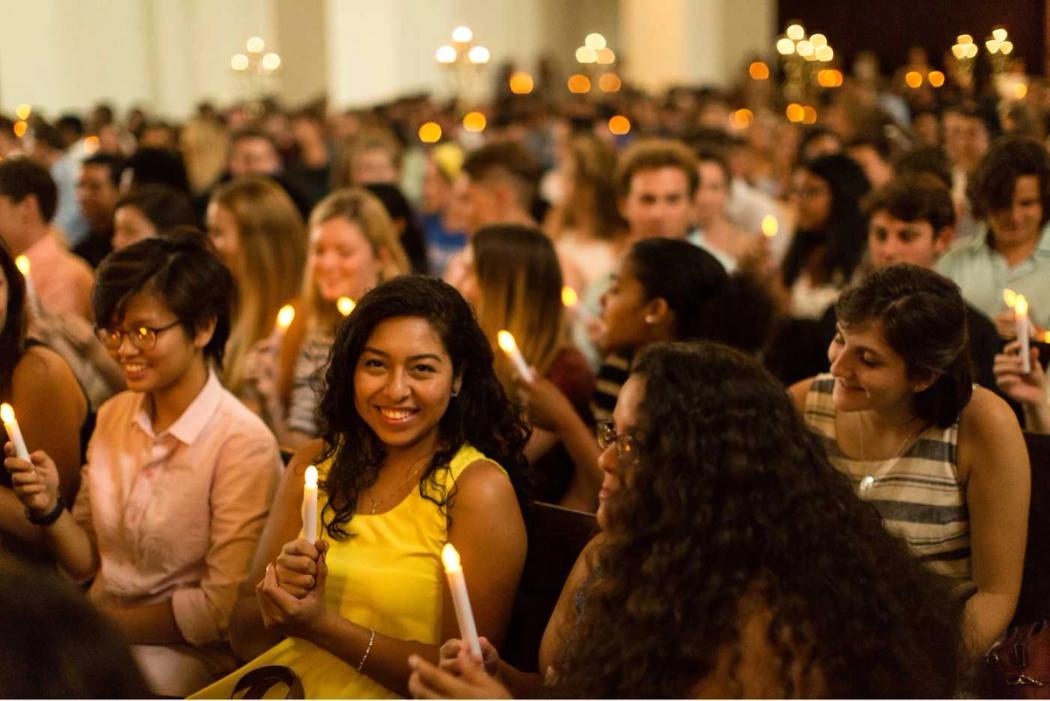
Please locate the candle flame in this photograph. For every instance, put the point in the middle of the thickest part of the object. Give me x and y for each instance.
(22, 262)
(345, 305)
(310, 480)
(7, 413)
(1021, 308)
(770, 226)
(506, 341)
(1010, 297)
(569, 297)
(450, 558)
(1046, 337)
(285, 316)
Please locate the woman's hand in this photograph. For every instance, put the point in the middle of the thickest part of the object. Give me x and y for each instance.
(450, 654)
(546, 406)
(288, 614)
(1027, 388)
(296, 567)
(430, 682)
(261, 376)
(35, 483)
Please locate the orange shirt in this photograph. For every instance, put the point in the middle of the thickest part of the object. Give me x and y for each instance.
(62, 281)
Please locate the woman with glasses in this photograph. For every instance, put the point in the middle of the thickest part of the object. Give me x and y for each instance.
(31, 377)
(179, 475)
(733, 562)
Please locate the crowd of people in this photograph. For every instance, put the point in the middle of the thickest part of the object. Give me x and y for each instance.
(787, 367)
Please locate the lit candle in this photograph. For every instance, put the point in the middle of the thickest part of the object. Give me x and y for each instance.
(310, 505)
(285, 317)
(22, 263)
(770, 226)
(571, 301)
(345, 305)
(1009, 297)
(510, 348)
(1021, 321)
(7, 413)
(460, 600)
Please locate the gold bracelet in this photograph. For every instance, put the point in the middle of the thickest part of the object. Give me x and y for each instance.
(368, 650)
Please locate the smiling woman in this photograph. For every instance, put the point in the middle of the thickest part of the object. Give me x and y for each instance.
(943, 461)
(421, 447)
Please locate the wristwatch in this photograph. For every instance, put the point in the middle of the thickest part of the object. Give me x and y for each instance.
(48, 518)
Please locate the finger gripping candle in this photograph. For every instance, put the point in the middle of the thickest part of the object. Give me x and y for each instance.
(7, 413)
(460, 600)
(310, 505)
(510, 348)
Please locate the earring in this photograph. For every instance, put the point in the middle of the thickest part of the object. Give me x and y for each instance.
(455, 393)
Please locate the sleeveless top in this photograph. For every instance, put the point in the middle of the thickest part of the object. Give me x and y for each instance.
(918, 494)
(387, 576)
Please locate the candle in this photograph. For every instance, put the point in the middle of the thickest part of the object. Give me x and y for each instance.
(510, 348)
(22, 263)
(310, 505)
(770, 226)
(285, 317)
(1009, 297)
(569, 297)
(345, 305)
(460, 600)
(7, 413)
(1021, 321)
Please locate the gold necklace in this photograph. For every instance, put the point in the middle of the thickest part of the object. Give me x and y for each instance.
(869, 480)
(396, 490)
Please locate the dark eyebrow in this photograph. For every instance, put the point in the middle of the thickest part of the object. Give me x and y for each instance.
(862, 349)
(411, 358)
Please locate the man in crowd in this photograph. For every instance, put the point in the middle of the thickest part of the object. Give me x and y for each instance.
(97, 191)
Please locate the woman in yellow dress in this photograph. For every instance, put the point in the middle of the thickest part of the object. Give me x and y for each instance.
(420, 447)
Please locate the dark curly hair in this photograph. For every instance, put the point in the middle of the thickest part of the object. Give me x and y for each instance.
(13, 333)
(732, 498)
(992, 187)
(481, 415)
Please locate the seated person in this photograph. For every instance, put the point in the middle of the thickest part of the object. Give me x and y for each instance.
(943, 461)
(420, 448)
(1030, 389)
(733, 562)
(179, 475)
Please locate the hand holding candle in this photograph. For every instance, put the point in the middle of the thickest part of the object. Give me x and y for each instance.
(460, 600)
(310, 505)
(7, 413)
(510, 348)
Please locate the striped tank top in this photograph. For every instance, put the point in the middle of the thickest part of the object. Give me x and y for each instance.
(918, 494)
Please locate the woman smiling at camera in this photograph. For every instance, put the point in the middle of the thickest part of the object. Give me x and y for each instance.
(179, 475)
(420, 447)
(943, 461)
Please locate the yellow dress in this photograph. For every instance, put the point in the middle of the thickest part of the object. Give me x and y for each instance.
(387, 577)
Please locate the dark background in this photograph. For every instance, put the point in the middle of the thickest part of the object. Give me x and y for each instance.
(891, 27)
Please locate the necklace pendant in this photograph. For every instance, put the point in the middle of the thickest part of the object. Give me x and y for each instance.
(867, 483)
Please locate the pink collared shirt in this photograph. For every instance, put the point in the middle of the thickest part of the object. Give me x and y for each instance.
(178, 515)
(61, 280)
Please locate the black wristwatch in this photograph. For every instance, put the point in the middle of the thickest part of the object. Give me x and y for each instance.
(48, 518)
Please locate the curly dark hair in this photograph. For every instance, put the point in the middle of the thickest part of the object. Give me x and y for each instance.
(732, 498)
(992, 187)
(481, 415)
(13, 333)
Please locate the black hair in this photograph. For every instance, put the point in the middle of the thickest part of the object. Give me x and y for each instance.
(481, 414)
(924, 320)
(707, 302)
(413, 240)
(1009, 158)
(183, 271)
(158, 165)
(13, 333)
(163, 206)
(925, 159)
(21, 177)
(509, 158)
(914, 197)
(114, 164)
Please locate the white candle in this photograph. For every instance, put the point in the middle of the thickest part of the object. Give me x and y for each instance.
(310, 505)
(22, 263)
(460, 600)
(7, 413)
(510, 347)
(1021, 321)
(345, 305)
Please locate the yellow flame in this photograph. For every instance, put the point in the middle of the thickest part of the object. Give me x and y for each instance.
(23, 111)
(770, 226)
(450, 558)
(506, 341)
(474, 121)
(430, 133)
(1021, 308)
(569, 297)
(1010, 297)
(345, 305)
(22, 263)
(310, 480)
(7, 413)
(285, 316)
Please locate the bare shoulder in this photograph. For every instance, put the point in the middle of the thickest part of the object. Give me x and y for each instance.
(986, 416)
(42, 365)
(484, 480)
(798, 392)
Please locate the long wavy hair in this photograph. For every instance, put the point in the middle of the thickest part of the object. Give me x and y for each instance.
(13, 333)
(733, 499)
(481, 414)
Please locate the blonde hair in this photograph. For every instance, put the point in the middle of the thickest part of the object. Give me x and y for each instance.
(520, 284)
(363, 209)
(271, 258)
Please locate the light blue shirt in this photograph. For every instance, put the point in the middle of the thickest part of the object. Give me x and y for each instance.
(982, 274)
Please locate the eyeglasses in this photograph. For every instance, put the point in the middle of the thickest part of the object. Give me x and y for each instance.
(626, 445)
(143, 337)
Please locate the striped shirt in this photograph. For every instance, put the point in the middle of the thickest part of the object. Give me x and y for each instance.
(613, 373)
(918, 494)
